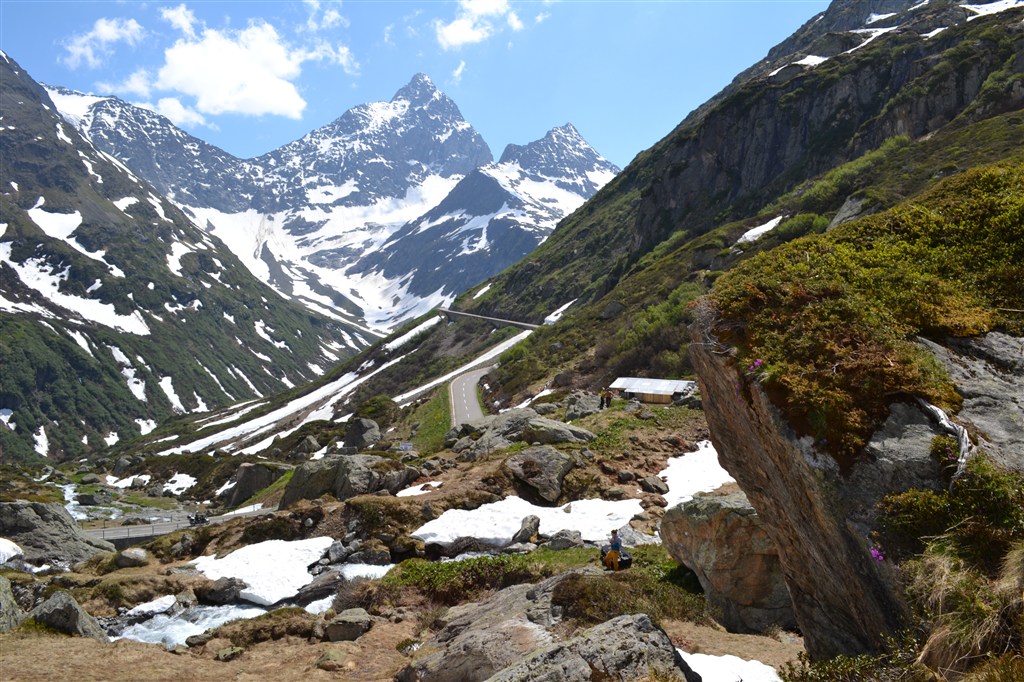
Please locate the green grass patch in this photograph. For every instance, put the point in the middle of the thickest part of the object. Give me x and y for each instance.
(452, 582)
(435, 419)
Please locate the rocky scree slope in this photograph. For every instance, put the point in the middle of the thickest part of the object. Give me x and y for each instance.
(117, 311)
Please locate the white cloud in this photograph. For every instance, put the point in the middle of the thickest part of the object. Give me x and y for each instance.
(329, 19)
(457, 74)
(474, 23)
(542, 17)
(246, 72)
(139, 84)
(181, 18)
(94, 46)
(387, 34)
(180, 115)
(461, 32)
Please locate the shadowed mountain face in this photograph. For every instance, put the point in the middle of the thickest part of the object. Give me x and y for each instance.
(116, 312)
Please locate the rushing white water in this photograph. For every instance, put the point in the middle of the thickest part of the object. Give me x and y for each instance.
(173, 630)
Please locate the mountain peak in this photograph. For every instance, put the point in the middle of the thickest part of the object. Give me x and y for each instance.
(419, 89)
(560, 148)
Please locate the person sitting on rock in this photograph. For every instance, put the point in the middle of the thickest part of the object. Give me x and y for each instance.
(611, 559)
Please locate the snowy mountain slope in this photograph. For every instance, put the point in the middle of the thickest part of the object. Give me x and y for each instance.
(304, 218)
(493, 217)
(116, 312)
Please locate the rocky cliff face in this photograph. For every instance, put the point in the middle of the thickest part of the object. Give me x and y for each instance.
(777, 130)
(844, 601)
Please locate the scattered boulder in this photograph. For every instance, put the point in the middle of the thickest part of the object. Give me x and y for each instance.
(653, 484)
(10, 612)
(545, 409)
(47, 533)
(548, 431)
(580, 404)
(722, 540)
(565, 539)
(362, 434)
(309, 445)
(121, 466)
(331, 661)
(229, 653)
(527, 531)
(250, 478)
(132, 557)
(61, 612)
(346, 476)
(538, 473)
(481, 638)
(624, 648)
(93, 499)
(91, 479)
(348, 625)
(219, 592)
(322, 586)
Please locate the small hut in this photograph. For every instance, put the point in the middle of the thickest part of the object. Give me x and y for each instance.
(652, 390)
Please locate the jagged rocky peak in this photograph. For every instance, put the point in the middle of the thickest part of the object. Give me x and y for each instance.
(420, 90)
(561, 152)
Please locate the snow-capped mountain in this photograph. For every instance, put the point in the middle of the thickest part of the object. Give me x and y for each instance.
(116, 311)
(310, 217)
(493, 217)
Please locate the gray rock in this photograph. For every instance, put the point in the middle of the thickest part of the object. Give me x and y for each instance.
(121, 466)
(309, 445)
(90, 479)
(548, 432)
(362, 434)
(565, 539)
(538, 473)
(346, 476)
(722, 540)
(527, 530)
(479, 639)
(580, 404)
(324, 585)
(339, 551)
(250, 478)
(545, 409)
(132, 557)
(61, 612)
(988, 372)
(348, 625)
(10, 613)
(653, 484)
(624, 648)
(219, 592)
(47, 533)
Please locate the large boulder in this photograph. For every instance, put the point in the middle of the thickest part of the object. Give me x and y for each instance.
(511, 636)
(722, 540)
(46, 533)
(348, 625)
(549, 431)
(581, 404)
(361, 434)
(250, 478)
(845, 603)
(132, 557)
(538, 473)
(61, 612)
(481, 638)
(346, 476)
(220, 591)
(623, 648)
(10, 612)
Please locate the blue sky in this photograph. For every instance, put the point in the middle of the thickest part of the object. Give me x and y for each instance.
(251, 76)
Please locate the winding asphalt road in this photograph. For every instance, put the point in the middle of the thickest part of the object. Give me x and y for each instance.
(152, 530)
(462, 394)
